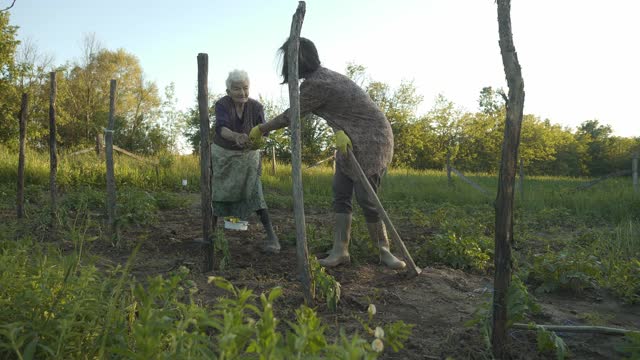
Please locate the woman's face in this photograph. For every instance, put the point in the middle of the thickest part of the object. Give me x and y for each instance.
(239, 92)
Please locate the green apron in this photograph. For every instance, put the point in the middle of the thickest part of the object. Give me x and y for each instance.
(236, 188)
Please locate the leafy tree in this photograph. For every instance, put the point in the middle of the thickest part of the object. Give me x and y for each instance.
(444, 121)
(32, 77)
(85, 101)
(596, 137)
(9, 96)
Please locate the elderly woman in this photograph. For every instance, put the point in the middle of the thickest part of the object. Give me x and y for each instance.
(358, 124)
(236, 185)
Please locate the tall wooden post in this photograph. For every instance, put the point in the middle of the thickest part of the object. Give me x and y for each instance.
(302, 251)
(335, 158)
(449, 179)
(205, 159)
(24, 110)
(111, 177)
(99, 145)
(53, 157)
(273, 160)
(504, 199)
(634, 170)
(521, 179)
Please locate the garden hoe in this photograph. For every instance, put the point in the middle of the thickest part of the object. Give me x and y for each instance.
(413, 269)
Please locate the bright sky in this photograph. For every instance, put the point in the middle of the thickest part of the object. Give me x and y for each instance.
(578, 57)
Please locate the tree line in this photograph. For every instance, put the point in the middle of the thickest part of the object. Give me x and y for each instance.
(148, 122)
(472, 140)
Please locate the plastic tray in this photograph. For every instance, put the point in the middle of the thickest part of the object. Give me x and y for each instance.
(240, 225)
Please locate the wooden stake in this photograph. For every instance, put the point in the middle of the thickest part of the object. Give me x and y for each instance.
(111, 177)
(273, 160)
(24, 110)
(521, 179)
(205, 160)
(506, 183)
(413, 269)
(302, 252)
(449, 179)
(53, 158)
(634, 169)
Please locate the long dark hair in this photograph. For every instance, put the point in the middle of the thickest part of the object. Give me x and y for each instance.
(308, 60)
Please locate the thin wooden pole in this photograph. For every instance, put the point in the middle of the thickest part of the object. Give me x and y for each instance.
(469, 181)
(575, 329)
(302, 251)
(449, 179)
(506, 183)
(111, 177)
(273, 160)
(413, 269)
(335, 158)
(205, 160)
(634, 169)
(53, 158)
(24, 110)
(521, 179)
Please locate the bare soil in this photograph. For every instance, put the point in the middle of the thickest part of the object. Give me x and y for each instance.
(438, 302)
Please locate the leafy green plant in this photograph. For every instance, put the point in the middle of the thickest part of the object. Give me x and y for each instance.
(631, 346)
(573, 270)
(392, 334)
(461, 240)
(623, 278)
(308, 334)
(520, 306)
(169, 201)
(325, 285)
(136, 207)
(221, 248)
(548, 341)
(458, 251)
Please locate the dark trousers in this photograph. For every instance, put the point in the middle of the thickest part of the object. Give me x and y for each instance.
(343, 189)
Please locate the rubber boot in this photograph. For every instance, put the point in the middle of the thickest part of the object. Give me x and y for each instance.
(339, 254)
(378, 234)
(272, 243)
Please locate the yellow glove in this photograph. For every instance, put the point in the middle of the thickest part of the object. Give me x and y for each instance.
(255, 134)
(255, 138)
(343, 142)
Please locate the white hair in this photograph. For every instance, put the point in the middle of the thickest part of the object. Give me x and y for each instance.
(237, 76)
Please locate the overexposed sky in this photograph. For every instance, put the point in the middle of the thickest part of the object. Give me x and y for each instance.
(580, 58)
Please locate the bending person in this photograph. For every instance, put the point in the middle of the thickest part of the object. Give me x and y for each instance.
(236, 186)
(358, 124)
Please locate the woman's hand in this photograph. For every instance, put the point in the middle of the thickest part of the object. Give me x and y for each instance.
(242, 140)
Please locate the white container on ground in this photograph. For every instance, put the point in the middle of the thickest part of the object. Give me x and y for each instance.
(240, 225)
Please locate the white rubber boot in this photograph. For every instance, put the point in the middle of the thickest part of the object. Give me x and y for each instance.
(378, 234)
(272, 243)
(339, 254)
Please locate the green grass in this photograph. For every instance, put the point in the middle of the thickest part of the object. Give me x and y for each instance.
(612, 200)
(599, 224)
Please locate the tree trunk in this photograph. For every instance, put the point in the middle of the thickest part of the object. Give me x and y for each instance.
(302, 251)
(506, 184)
(111, 178)
(205, 160)
(24, 110)
(273, 160)
(449, 179)
(99, 144)
(53, 157)
(634, 170)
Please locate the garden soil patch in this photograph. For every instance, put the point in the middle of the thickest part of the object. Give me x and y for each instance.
(438, 302)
